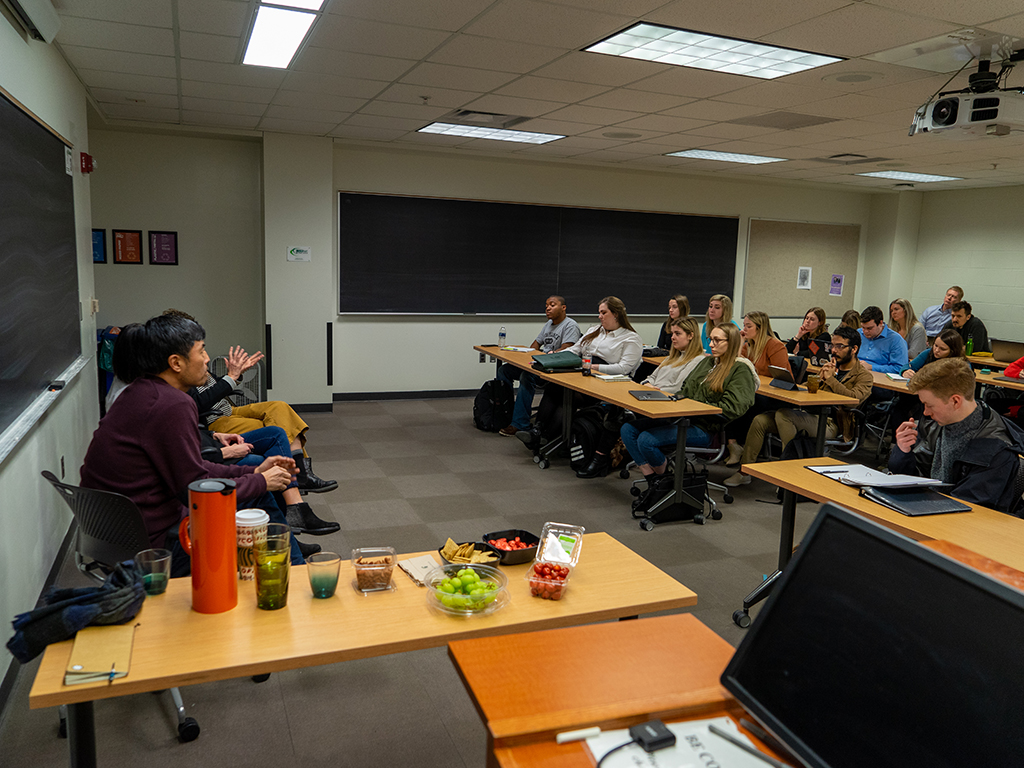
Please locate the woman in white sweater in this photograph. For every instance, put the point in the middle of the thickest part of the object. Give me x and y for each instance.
(682, 358)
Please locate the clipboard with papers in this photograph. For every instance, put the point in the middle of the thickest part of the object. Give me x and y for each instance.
(864, 477)
(907, 494)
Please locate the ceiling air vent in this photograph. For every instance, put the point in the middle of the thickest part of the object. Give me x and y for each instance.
(783, 121)
(484, 119)
(848, 158)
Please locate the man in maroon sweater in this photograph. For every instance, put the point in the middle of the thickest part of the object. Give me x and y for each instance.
(147, 446)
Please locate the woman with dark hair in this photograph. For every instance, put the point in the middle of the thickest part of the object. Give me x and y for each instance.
(851, 319)
(813, 329)
(720, 379)
(946, 344)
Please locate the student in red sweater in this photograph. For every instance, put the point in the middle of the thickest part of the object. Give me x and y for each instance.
(147, 446)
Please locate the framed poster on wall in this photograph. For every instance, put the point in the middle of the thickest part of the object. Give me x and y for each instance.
(127, 246)
(163, 248)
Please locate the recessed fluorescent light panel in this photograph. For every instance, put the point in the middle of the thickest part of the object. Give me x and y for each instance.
(903, 176)
(498, 134)
(276, 36)
(684, 48)
(726, 157)
(308, 5)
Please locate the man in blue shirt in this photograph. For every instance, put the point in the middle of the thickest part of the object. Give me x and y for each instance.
(935, 317)
(881, 349)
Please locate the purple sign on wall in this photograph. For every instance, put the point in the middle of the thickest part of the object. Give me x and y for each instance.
(163, 248)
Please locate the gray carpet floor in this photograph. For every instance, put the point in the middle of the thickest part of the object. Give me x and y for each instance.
(410, 474)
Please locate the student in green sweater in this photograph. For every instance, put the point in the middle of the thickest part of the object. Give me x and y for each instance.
(720, 380)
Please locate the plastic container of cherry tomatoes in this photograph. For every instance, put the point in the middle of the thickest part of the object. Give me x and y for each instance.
(549, 574)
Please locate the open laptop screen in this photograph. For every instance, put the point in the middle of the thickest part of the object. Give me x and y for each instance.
(875, 651)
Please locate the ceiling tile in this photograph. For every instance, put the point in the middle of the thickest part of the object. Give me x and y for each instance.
(219, 120)
(488, 53)
(242, 108)
(662, 123)
(141, 112)
(693, 83)
(456, 78)
(196, 45)
(132, 38)
(628, 7)
(314, 82)
(641, 135)
(599, 69)
(359, 132)
(391, 123)
(152, 14)
(709, 109)
(740, 18)
(125, 82)
(510, 105)
(607, 156)
(851, 105)
(554, 149)
(103, 95)
(280, 125)
(857, 30)
(561, 127)
(305, 114)
(429, 139)
(344, 33)
(118, 61)
(348, 64)
(436, 97)
(421, 113)
(215, 17)
(578, 114)
(231, 74)
(637, 101)
(227, 92)
(955, 11)
(730, 131)
(307, 100)
(545, 88)
(451, 16)
(777, 95)
(1012, 26)
(543, 24)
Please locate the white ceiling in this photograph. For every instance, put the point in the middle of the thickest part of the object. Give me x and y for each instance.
(378, 70)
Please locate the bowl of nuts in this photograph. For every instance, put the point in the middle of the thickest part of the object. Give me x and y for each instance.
(373, 567)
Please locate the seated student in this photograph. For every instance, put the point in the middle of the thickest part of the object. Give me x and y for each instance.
(1014, 369)
(720, 379)
(935, 317)
(969, 327)
(968, 444)
(946, 344)
(812, 329)
(614, 348)
(881, 348)
(684, 355)
(559, 332)
(844, 375)
(678, 306)
(903, 320)
(851, 319)
(147, 447)
(719, 313)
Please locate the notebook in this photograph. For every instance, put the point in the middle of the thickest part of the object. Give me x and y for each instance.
(914, 502)
(650, 394)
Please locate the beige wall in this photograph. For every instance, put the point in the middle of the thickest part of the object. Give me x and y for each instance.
(208, 191)
(33, 517)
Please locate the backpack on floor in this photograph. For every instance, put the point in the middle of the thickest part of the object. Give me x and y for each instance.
(492, 408)
(587, 425)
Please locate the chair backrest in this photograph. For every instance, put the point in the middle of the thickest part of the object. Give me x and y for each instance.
(799, 366)
(1018, 491)
(110, 527)
(255, 391)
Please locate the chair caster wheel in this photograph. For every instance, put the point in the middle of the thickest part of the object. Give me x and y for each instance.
(261, 678)
(536, 459)
(742, 618)
(624, 474)
(727, 498)
(634, 491)
(646, 524)
(699, 519)
(543, 463)
(716, 514)
(188, 730)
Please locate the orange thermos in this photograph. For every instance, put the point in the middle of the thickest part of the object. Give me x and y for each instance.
(208, 535)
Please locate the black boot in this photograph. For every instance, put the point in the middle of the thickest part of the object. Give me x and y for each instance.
(530, 437)
(599, 466)
(306, 480)
(303, 520)
(308, 549)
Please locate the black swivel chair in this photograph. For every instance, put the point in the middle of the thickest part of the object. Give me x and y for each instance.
(110, 530)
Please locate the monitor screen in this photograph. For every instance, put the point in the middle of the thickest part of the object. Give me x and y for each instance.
(876, 651)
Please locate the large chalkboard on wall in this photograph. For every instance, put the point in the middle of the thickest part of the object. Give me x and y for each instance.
(39, 326)
(440, 256)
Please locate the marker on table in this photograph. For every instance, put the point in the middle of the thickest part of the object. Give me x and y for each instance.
(112, 672)
(583, 733)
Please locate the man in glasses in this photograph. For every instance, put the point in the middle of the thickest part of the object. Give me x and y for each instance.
(843, 375)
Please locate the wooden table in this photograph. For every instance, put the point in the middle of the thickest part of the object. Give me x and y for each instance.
(986, 361)
(987, 532)
(818, 403)
(607, 675)
(615, 393)
(176, 646)
(990, 380)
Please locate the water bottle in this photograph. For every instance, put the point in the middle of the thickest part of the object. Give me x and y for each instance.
(501, 336)
(587, 362)
(969, 346)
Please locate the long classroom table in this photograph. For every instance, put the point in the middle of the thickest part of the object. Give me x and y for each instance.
(987, 532)
(818, 403)
(175, 646)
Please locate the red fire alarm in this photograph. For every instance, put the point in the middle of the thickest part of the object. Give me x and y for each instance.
(87, 163)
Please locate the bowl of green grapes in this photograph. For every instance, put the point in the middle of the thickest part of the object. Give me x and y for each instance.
(458, 589)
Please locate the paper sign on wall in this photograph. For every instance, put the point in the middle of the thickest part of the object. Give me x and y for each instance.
(836, 288)
(300, 253)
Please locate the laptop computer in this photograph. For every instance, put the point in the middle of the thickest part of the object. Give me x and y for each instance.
(651, 394)
(821, 352)
(1007, 351)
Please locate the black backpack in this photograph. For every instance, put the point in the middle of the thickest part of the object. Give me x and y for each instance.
(587, 425)
(492, 408)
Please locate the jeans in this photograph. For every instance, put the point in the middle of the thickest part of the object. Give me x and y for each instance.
(266, 441)
(645, 438)
(524, 398)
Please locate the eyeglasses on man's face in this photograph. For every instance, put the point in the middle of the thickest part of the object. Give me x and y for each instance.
(840, 346)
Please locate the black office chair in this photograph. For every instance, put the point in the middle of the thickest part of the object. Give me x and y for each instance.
(110, 530)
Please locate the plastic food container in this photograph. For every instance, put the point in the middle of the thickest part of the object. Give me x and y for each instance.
(549, 574)
(450, 600)
(548, 587)
(479, 546)
(515, 556)
(373, 567)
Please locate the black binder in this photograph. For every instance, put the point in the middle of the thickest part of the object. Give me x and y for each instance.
(914, 502)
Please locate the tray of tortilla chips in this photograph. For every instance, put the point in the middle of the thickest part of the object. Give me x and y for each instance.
(469, 552)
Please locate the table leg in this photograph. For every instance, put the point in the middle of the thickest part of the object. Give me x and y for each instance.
(681, 427)
(82, 735)
(822, 425)
(786, 535)
(567, 415)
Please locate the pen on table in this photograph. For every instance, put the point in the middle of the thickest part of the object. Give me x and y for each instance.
(112, 673)
(745, 747)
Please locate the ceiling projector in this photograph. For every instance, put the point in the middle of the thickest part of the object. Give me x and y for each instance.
(981, 109)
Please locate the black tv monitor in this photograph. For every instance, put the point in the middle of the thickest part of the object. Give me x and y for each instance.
(874, 651)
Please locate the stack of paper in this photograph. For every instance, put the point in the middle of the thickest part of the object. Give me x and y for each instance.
(696, 747)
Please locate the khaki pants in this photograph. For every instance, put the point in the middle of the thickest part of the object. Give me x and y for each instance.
(274, 413)
(785, 423)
